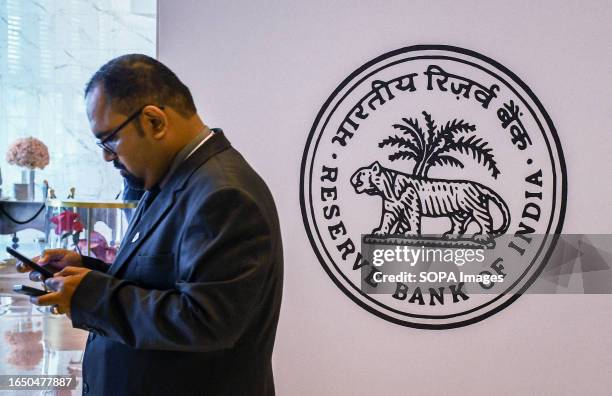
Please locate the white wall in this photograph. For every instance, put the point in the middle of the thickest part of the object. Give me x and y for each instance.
(262, 69)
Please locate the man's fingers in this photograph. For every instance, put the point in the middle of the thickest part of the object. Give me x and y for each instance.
(55, 283)
(35, 276)
(67, 271)
(48, 255)
(21, 267)
(43, 259)
(51, 255)
(47, 299)
(58, 310)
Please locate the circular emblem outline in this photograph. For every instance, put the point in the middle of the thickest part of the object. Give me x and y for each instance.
(562, 198)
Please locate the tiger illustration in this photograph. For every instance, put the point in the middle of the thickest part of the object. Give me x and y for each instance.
(407, 198)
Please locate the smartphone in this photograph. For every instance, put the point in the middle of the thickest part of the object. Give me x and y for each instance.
(35, 267)
(29, 291)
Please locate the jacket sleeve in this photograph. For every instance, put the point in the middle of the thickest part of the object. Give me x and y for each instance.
(224, 260)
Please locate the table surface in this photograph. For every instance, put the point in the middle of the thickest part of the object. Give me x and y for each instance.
(33, 341)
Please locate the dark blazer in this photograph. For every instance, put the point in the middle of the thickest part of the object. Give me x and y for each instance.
(191, 304)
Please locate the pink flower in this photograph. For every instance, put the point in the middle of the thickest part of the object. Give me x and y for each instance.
(99, 247)
(29, 153)
(111, 254)
(77, 226)
(67, 221)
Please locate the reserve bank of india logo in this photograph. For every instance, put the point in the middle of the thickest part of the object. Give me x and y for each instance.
(433, 146)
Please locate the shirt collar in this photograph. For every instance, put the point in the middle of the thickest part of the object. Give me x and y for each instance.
(185, 153)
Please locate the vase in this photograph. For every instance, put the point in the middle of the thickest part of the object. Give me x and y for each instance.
(20, 191)
(28, 177)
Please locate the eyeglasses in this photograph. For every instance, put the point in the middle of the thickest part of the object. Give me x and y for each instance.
(108, 143)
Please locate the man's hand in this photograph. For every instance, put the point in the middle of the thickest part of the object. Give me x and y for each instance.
(56, 259)
(63, 284)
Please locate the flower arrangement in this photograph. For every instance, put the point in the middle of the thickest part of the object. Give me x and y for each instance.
(67, 224)
(67, 221)
(28, 153)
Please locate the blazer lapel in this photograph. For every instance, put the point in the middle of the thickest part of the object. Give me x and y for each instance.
(146, 225)
(148, 221)
(135, 217)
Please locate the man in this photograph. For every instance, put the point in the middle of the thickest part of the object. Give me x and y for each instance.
(191, 304)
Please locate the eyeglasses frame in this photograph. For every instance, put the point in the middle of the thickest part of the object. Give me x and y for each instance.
(102, 143)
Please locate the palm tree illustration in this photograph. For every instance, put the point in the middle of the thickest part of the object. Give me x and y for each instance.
(437, 146)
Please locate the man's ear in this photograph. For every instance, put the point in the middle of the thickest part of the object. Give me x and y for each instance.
(155, 120)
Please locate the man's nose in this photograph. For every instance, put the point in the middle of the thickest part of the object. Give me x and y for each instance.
(108, 156)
